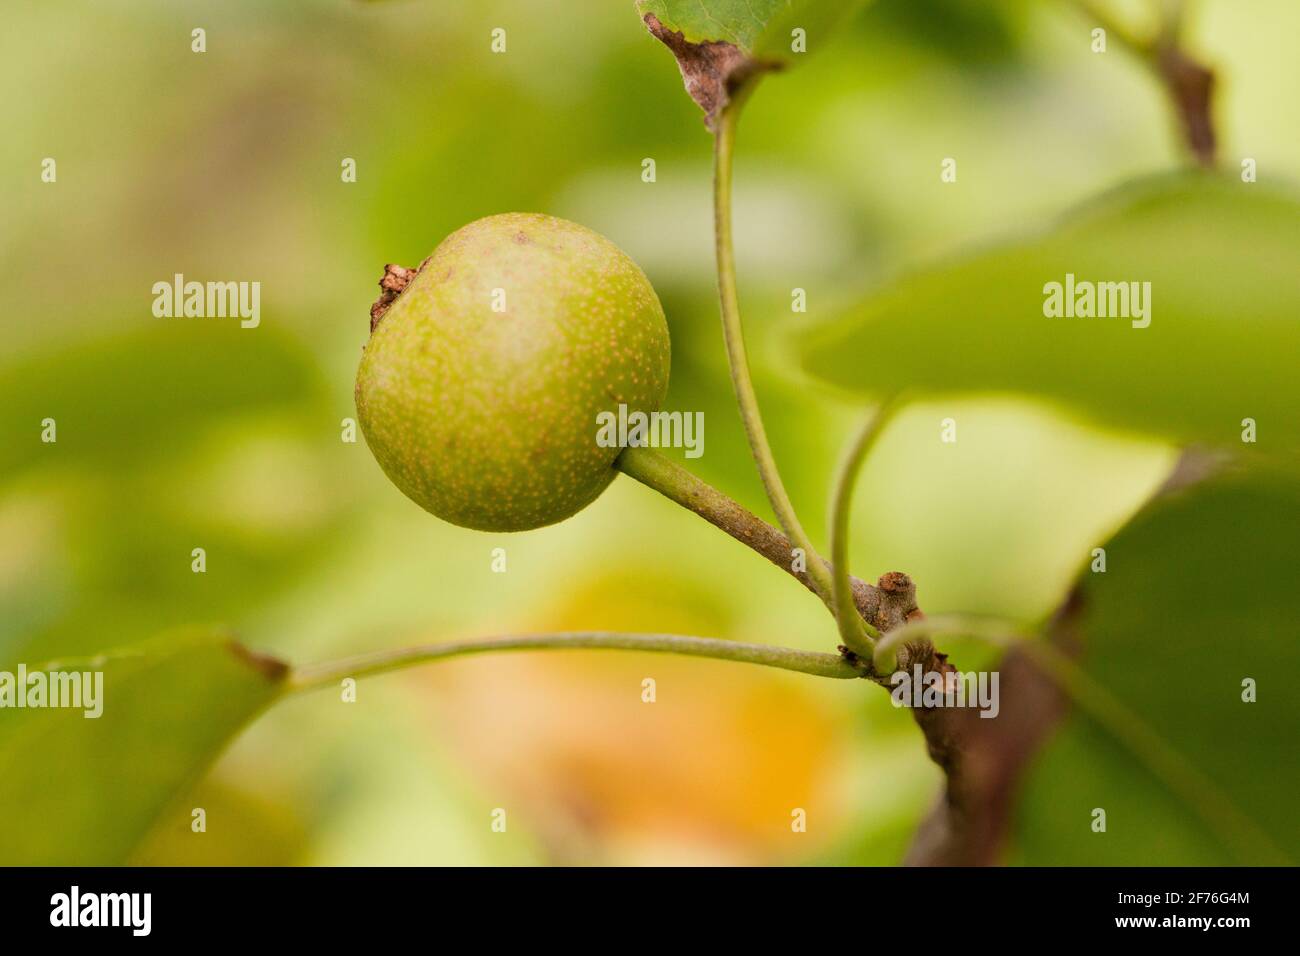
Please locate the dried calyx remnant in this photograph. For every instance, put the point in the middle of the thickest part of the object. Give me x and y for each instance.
(712, 70)
(395, 279)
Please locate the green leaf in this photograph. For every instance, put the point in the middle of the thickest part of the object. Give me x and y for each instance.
(720, 42)
(84, 791)
(758, 28)
(1221, 347)
(137, 397)
(1198, 596)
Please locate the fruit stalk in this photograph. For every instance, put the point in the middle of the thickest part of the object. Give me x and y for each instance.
(681, 487)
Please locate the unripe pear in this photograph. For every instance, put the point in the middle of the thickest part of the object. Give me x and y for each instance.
(486, 369)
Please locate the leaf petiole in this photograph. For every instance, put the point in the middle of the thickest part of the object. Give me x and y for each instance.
(314, 676)
(858, 635)
(733, 335)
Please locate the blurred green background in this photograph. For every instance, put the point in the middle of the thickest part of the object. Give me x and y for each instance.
(175, 434)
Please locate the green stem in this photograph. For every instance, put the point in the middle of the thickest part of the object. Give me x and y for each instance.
(1188, 83)
(314, 676)
(992, 631)
(857, 634)
(1173, 14)
(733, 334)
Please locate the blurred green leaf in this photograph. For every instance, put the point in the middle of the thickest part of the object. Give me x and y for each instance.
(85, 791)
(143, 395)
(1224, 328)
(256, 830)
(128, 569)
(1198, 595)
(761, 29)
(970, 32)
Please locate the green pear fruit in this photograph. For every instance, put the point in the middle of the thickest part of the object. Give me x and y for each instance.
(486, 369)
